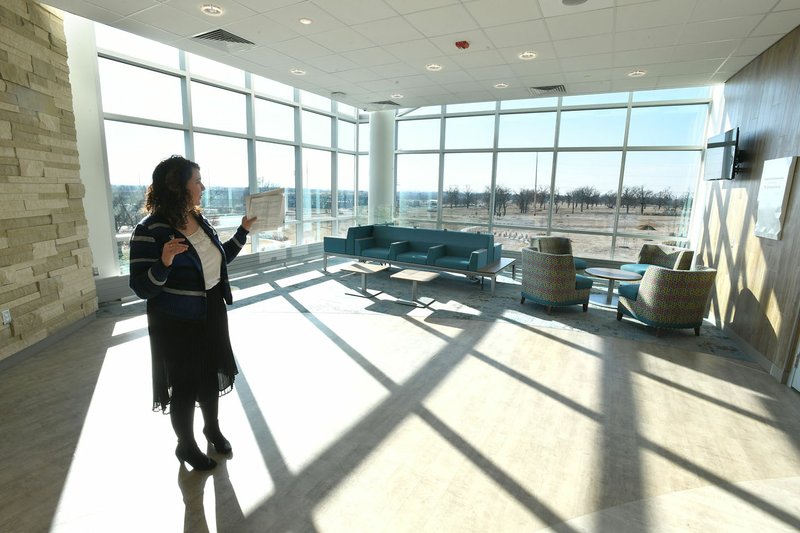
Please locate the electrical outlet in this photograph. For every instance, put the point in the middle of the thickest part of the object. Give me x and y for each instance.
(95, 271)
(6, 316)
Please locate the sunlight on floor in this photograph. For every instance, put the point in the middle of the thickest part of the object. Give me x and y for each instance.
(398, 487)
(129, 324)
(307, 397)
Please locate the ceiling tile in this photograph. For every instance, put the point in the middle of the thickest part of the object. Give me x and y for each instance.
(369, 57)
(148, 31)
(231, 11)
(447, 43)
(356, 11)
(638, 58)
(783, 5)
(722, 9)
(261, 30)
(521, 33)
(388, 31)
(488, 13)
(263, 6)
(301, 48)
(782, 22)
(653, 14)
(588, 76)
(755, 45)
(341, 40)
(536, 68)
(410, 6)
(555, 8)
(714, 50)
(544, 52)
(647, 38)
(587, 62)
(396, 70)
(332, 63)
(291, 15)
(584, 45)
(589, 87)
(173, 21)
(442, 21)
(358, 75)
(478, 59)
(271, 58)
(448, 76)
(719, 30)
(492, 72)
(581, 25)
(411, 50)
(121, 7)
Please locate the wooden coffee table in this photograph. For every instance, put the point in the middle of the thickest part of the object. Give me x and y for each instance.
(415, 276)
(612, 275)
(365, 269)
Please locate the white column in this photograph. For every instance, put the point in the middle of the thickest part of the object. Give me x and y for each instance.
(87, 105)
(381, 167)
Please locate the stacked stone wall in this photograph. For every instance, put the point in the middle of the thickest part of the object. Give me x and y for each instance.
(45, 261)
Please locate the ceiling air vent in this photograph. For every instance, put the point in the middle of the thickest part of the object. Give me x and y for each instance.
(224, 40)
(547, 89)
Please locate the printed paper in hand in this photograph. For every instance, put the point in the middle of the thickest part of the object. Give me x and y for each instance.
(269, 207)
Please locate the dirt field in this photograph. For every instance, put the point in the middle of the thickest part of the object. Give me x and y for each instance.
(514, 230)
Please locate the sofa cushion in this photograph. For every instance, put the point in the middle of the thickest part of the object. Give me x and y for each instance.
(638, 268)
(629, 290)
(377, 253)
(413, 257)
(583, 282)
(454, 262)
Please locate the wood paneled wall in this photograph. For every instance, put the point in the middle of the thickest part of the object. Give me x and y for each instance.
(757, 292)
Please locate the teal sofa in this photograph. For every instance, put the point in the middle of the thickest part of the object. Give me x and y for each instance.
(430, 249)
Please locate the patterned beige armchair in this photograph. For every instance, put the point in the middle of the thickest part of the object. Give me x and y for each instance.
(661, 255)
(556, 245)
(667, 298)
(550, 280)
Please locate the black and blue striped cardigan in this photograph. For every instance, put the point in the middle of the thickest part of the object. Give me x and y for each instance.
(178, 290)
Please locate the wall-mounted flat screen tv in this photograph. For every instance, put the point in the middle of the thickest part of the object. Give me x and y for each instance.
(722, 156)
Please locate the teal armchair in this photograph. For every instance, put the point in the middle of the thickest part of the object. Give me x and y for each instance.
(668, 299)
(551, 280)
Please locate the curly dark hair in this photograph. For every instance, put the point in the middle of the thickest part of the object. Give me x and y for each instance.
(167, 196)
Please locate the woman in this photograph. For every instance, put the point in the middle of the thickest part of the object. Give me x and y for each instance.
(178, 264)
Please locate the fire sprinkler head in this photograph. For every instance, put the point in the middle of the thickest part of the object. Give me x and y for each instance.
(462, 45)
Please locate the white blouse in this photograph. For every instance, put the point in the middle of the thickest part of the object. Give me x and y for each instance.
(210, 257)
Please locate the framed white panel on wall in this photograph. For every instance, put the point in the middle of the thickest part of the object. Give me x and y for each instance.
(773, 196)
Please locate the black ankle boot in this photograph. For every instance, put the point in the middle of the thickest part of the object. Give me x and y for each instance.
(218, 440)
(191, 454)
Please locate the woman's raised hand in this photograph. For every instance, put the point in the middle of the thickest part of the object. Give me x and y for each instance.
(247, 223)
(172, 248)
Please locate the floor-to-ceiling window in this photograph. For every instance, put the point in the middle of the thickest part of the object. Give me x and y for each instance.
(609, 171)
(247, 133)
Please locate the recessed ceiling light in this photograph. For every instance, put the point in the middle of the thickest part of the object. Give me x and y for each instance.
(433, 67)
(500, 85)
(305, 21)
(573, 2)
(212, 10)
(298, 72)
(637, 73)
(527, 55)
(396, 96)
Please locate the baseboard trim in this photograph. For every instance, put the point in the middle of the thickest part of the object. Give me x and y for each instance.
(50, 340)
(770, 367)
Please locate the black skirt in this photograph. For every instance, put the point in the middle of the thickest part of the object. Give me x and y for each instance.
(192, 359)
